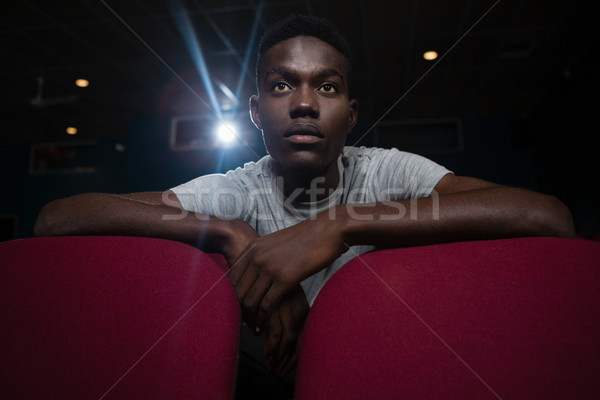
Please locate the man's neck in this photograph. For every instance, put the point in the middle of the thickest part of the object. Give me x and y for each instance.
(310, 187)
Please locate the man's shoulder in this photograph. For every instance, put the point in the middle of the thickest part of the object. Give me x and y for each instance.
(381, 155)
(358, 160)
(251, 174)
(262, 167)
(365, 154)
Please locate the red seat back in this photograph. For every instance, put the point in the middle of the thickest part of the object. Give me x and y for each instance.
(516, 319)
(115, 318)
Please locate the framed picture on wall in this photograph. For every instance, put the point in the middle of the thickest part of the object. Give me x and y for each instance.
(47, 158)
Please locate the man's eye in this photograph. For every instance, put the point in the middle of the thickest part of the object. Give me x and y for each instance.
(328, 88)
(281, 87)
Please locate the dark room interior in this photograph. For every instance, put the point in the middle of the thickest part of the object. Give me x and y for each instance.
(111, 96)
(512, 96)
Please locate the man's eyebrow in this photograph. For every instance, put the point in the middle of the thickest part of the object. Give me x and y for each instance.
(328, 72)
(279, 71)
(288, 73)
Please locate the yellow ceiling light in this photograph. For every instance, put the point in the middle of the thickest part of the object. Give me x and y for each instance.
(82, 82)
(71, 130)
(430, 55)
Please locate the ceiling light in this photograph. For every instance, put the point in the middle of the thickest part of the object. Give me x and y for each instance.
(82, 82)
(430, 55)
(71, 130)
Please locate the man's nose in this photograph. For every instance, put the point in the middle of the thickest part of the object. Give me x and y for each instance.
(305, 103)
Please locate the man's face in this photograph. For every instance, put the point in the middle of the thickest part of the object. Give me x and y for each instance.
(303, 106)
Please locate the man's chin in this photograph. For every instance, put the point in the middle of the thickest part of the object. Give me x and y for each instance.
(303, 164)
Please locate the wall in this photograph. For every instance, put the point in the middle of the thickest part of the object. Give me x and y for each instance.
(492, 151)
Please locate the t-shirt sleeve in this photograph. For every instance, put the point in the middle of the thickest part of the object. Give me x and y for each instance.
(403, 175)
(217, 195)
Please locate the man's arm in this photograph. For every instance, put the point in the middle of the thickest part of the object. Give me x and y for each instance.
(151, 214)
(459, 209)
(160, 215)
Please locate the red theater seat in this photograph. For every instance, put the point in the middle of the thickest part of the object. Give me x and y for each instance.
(501, 319)
(115, 318)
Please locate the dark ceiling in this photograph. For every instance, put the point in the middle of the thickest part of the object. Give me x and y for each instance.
(498, 57)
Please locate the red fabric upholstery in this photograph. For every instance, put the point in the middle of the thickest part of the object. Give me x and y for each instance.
(115, 318)
(510, 319)
(220, 261)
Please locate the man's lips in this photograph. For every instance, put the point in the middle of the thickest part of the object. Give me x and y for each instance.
(303, 134)
(303, 130)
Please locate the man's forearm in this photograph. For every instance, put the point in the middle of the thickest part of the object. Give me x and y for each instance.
(106, 214)
(488, 213)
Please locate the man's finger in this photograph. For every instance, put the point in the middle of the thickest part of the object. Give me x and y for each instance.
(289, 330)
(254, 296)
(237, 269)
(270, 298)
(274, 333)
(291, 361)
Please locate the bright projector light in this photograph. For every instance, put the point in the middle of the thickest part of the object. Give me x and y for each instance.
(226, 133)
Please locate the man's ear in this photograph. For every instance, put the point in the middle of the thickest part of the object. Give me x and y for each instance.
(254, 112)
(353, 117)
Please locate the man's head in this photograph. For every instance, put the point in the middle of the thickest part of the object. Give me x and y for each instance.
(303, 107)
(302, 25)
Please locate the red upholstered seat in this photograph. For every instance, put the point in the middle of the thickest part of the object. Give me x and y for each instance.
(509, 319)
(115, 318)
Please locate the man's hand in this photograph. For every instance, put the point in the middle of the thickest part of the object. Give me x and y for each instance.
(284, 331)
(284, 325)
(240, 236)
(273, 264)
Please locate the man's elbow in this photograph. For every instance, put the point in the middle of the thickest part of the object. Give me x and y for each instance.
(48, 220)
(557, 219)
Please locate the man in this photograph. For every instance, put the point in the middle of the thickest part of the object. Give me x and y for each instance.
(286, 223)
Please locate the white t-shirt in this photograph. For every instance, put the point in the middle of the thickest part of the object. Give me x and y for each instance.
(367, 175)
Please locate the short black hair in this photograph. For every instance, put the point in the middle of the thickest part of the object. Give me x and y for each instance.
(304, 25)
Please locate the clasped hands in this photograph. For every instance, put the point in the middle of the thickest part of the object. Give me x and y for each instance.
(266, 276)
